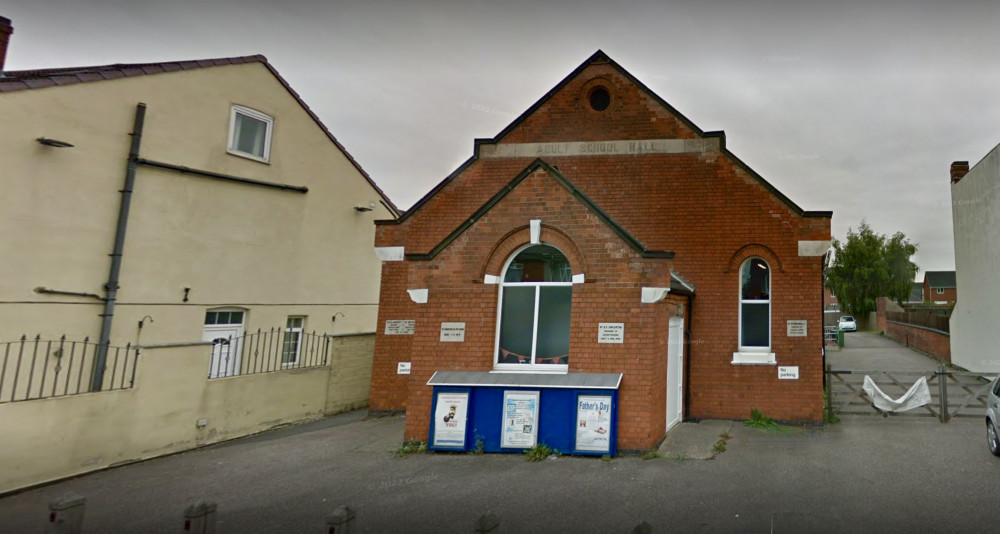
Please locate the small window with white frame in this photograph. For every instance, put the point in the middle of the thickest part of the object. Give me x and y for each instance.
(940, 291)
(754, 314)
(292, 345)
(250, 133)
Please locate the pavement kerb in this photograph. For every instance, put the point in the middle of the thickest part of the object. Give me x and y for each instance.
(695, 440)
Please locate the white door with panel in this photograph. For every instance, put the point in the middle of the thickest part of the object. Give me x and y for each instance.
(675, 372)
(224, 328)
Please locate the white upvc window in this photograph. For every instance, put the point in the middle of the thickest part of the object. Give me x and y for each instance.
(292, 345)
(754, 314)
(250, 133)
(940, 291)
(533, 325)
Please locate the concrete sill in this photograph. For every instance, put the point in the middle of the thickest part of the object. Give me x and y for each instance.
(754, 358)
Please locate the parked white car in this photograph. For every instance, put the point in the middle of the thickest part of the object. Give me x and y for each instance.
(993, 416)
(847, 324)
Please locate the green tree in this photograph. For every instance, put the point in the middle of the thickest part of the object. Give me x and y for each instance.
(868, 265)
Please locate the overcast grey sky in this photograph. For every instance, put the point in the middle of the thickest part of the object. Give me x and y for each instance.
(855, 107)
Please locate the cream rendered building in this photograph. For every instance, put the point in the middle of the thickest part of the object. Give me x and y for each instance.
(975, 214)
(243, 214)
(242, 201)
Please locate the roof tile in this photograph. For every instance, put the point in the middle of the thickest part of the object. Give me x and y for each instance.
(35, 83)
(89, 77)
(65, 79)
(11, 86)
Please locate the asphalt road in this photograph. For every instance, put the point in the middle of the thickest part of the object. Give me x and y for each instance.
(865, 474)
(867, 351)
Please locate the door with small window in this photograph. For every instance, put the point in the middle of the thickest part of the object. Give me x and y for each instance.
(224, 329)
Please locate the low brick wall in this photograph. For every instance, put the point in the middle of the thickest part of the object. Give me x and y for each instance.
(934, 343)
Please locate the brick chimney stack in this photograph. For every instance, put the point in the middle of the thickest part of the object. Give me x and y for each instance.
(958, 170)
(5, 30)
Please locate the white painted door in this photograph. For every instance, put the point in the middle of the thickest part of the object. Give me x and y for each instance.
(225, 340)
(675, 372)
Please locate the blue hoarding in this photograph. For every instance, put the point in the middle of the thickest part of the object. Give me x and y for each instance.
(512, 419)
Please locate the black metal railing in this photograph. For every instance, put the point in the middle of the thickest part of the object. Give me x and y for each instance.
(267, 351)
(33, 368)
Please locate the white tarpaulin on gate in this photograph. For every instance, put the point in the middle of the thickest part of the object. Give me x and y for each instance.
(918, 395)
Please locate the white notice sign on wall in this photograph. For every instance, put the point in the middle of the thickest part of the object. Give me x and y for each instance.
(788, 373)
(797, 328)
(403, 368)
(611, 333)
(399, 327)
(454, 332)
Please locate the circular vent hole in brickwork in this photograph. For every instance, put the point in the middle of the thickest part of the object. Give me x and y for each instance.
(600, 99)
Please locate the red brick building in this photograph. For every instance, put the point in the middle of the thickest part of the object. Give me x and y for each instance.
(940, 287)
(581, 242)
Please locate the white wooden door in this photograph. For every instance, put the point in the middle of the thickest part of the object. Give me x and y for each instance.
(675, 372)
(225, 340)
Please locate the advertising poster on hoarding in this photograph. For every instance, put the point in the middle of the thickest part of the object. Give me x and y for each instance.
(450, 418)
(593, 423)
(520, 415)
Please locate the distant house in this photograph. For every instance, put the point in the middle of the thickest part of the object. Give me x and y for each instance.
(831, 308)
(916, 294)
(975, 210)
(939, 287)
(830, 302)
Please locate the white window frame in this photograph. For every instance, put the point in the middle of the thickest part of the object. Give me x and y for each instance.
(753, 355)
(556, 368)
(289, 329)
(940, 290)
(253, 114)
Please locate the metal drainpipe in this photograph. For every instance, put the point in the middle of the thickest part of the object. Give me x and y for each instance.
(687, 359)
(111, 288)
(822, 308)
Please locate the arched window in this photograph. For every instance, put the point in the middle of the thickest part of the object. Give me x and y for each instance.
(755, 306)
(535, 296)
